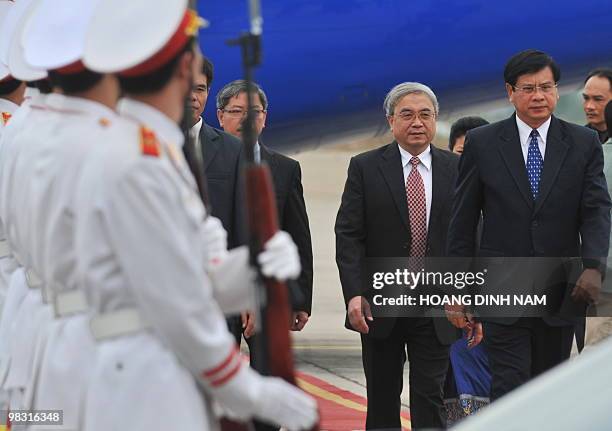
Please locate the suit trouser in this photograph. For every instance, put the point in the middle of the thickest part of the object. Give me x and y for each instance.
(383, 364)
(521, 351)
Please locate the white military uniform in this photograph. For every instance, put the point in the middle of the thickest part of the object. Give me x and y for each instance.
(70, 349)
(17, 288)
(30, 315)
(7, 266)
(139, 214)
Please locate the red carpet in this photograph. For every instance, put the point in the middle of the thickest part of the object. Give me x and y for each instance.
(340, 410)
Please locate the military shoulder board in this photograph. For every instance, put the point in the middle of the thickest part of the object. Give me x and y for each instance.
(6, 117)
(149, 145)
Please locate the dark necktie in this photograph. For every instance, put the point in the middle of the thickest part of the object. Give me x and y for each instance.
(534, 164)
(417, 210)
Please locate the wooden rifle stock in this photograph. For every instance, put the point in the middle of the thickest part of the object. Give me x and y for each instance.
(277, 314)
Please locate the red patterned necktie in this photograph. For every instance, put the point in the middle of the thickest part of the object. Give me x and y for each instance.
(417, 210)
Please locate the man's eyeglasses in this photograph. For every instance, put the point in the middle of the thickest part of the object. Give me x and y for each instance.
(239, 113)
(530, 89)
(424, 116)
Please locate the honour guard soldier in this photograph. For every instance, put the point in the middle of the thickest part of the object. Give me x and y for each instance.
(24, 313)
(77, 122)
(161, 333)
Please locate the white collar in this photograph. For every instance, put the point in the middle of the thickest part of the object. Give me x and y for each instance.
(31, 93)
(195, 129)
(424, 157)
(78, 105)
(8, 106)
(166, 129)
(525, 130)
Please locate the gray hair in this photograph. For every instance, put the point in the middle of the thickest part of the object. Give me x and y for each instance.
(401, 90)
(236, 87)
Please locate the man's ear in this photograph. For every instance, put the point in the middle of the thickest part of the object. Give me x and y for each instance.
(390, 119)
(220, 117)
(185, 65)
(510, 92)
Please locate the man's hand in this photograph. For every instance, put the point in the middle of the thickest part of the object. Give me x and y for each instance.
(358, 312)
(474, 334)
(588, 286)
(456, 315)
(248, 323)
(300, 318)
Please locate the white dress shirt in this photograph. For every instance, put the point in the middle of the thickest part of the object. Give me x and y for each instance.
(194, 132)
(424, 168)
(524, 132)
(257, 152)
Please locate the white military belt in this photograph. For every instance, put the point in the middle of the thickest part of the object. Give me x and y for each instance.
(5, 250)
(70, 302)
(33, 280)
(117, 323)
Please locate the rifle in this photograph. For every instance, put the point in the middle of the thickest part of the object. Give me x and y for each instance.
(275, 316)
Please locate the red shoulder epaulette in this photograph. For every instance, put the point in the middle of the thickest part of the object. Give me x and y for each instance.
(149, 145)
(6, 116)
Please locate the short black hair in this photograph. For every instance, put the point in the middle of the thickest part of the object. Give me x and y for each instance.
(608, 115)
(72, 83)
(208, 70)
(461, 127)
(527, 62)
(8, 86)
(157, 79)
(601, 72)
(42, 85)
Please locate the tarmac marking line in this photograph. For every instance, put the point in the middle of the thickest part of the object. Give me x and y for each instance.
(332, 395)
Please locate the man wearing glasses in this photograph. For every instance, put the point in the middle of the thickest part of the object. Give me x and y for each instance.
(538, 183)
(287, 177)
(396, 203)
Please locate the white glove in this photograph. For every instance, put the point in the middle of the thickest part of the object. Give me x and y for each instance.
(285, 405)
(280, 258)
(215, 240)
(248, 395)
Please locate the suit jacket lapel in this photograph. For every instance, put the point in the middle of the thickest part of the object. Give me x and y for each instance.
(441, 185)
(512, 155)
(209, 140)
(393, 173)
(267, 156)
(556, 150)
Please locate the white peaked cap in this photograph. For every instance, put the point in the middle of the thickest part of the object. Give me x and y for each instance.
(125, 34)
(55, 35)
(5, 6)
(11, 49)
(16, 61)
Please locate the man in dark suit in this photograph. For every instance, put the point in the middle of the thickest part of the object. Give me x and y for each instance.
(538, 183)
(221, 157)
(396, 203)
(287, 177)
